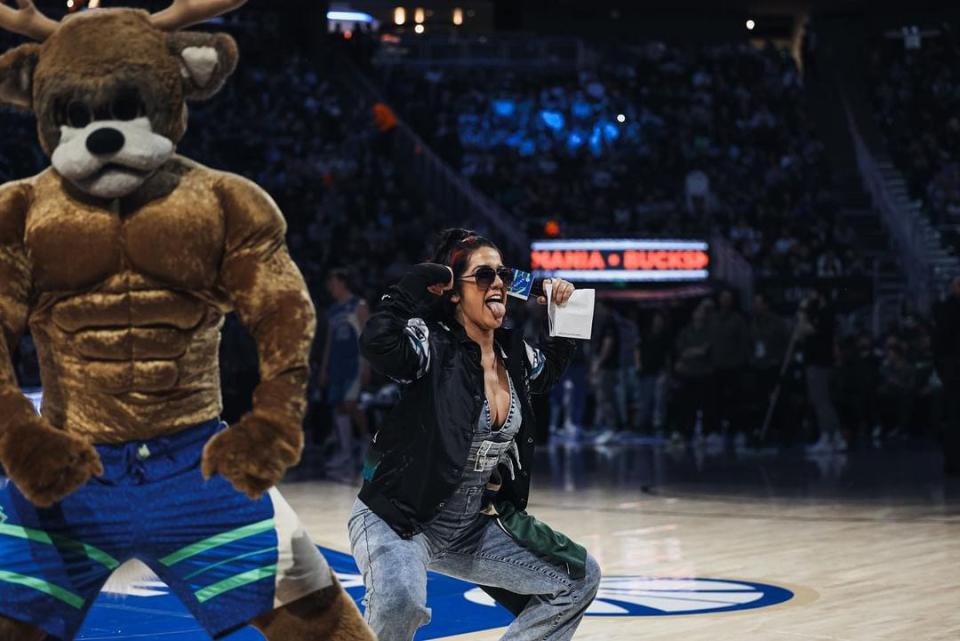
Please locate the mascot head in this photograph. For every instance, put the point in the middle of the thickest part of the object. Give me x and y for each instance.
(109, 86)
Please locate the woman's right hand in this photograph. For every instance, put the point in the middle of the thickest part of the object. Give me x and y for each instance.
(440, 287)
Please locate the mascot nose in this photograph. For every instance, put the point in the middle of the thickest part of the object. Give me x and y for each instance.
(105, 141)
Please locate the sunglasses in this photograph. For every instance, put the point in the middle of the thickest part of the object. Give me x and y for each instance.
(486, 275)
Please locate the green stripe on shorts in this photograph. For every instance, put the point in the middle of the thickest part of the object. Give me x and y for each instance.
(39, 536)
(216, 541)
(226, 561)
(234, 582)
(70, 598)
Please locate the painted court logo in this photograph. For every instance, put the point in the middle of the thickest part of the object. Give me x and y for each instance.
(148, 610)
(651, 596)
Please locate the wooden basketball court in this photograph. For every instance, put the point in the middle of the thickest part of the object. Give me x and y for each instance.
(747, 546)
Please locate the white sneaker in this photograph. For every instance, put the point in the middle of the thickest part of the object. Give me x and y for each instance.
(715, 441)
(839, 442)
(740, 441)
(824, 444)
(604, 437)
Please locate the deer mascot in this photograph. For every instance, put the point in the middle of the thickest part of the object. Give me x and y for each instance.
(123, 259)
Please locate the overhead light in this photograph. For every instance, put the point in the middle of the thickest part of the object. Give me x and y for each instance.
(418, 28)
(399, 16)
(70, 4)
(418, 15)
(751, 24)
(349, 16)
(621, 118)
(458, 16)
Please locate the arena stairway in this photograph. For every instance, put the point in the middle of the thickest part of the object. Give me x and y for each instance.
(839, 99)
(854, 205)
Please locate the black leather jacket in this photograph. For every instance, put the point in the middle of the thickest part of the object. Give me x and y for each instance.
(417, 458)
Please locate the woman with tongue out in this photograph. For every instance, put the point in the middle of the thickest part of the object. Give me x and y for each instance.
(447, 476)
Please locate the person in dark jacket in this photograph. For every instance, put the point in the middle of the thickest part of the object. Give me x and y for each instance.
(653, 356)
(730, 351)
(817, 325)
(694, 367)
(769, 341)
(947, 358)
(447, 476)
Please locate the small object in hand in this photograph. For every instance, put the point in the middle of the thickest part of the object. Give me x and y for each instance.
(522, 285)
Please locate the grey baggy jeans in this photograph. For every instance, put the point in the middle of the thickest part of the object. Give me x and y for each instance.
(470, 546)
(818, 389)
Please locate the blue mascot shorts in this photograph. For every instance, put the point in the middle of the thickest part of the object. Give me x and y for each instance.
(229, 559)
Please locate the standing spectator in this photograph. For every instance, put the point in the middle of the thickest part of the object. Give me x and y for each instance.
(695, 369)
(628, 397)
(654, 362)
(604, 375)
(730, 351)
(818, 325)
(947, 354)
(343, 373)
(860, 378)
(569, 398)
(928, 409)
(697, 192)
(896, 391)
(769, 339)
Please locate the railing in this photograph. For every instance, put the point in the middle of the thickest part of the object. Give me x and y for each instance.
(910, 233)
(441, 185)
(509, 51)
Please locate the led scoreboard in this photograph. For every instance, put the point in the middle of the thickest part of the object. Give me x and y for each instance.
(621, 260)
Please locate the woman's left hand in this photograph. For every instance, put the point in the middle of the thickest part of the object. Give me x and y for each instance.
(562, 291)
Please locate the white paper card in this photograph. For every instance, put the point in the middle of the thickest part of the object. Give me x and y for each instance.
(575, 318)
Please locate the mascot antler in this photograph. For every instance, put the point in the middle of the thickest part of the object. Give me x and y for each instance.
(27, 20)
(30, 22)
(183, 13)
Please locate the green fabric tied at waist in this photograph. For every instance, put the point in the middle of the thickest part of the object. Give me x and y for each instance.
(540, 538)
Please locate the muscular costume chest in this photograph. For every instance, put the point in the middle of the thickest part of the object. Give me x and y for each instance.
(177, 241)
(132, 319)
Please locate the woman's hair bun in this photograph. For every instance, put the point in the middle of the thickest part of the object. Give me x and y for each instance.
(447, 241)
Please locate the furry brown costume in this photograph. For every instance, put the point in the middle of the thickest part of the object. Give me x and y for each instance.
(124, 257)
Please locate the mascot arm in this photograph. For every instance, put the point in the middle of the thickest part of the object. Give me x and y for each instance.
(45, 463)
(272, 301)
(14, 302)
